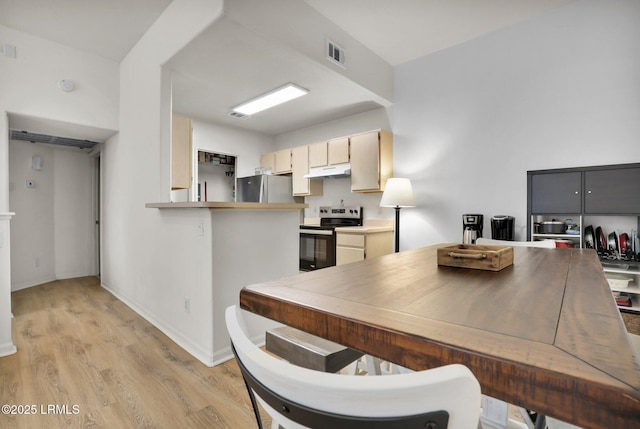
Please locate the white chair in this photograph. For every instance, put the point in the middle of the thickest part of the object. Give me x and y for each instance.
(297, 397)
(549, 244)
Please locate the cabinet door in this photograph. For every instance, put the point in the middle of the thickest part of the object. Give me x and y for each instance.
(300, 167)
(268, 160)
(338, 151)
(556, 193)
(283, 161)
(318, 154)
(615, 191)
(181, 160)
(346, 255)
(365, 162)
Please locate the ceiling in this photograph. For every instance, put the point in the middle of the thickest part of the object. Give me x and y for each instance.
(108, 28)
(245, 64)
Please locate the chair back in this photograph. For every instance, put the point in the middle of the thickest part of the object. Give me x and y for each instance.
(549, 244)
(296, 397)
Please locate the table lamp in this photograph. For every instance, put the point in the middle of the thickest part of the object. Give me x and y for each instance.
(398, 193)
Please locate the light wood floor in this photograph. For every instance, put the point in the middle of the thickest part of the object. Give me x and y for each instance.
(79, 347)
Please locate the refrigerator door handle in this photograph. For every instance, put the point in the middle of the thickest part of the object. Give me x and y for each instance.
(263, 190)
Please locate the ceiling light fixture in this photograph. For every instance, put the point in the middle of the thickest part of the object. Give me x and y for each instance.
(271, 99)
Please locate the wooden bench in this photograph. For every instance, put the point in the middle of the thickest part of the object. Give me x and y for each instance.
(309, 351)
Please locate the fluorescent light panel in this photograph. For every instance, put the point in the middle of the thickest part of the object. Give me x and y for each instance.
(270, 99)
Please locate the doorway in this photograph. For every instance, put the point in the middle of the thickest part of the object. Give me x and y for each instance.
(96, 209)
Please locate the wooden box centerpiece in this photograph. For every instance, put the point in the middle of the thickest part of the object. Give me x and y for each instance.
(491, 258)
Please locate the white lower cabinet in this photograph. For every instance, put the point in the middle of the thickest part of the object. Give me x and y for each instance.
(357, 245)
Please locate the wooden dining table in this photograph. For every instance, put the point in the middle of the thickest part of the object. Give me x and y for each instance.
(543, 333)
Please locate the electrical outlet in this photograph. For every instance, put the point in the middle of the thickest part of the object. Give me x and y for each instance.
(187, 304)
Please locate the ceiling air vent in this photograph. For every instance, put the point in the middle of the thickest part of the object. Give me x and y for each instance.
(335, 54)
(238, 115)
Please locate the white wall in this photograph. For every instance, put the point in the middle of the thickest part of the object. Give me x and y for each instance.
(52, 232)
(154, 258)
(558, 90)
(337, 191)
(32, 229)
(29, 87)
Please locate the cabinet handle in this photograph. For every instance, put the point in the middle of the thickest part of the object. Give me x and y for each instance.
(467, 255)
(577, 192)
(589, 191)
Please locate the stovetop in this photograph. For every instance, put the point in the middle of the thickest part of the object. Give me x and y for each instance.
(340, 216)
(333, 217)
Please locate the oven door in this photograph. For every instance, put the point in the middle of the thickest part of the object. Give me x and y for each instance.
(317, 249)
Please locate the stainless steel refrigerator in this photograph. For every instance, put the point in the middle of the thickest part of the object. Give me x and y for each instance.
(265, 188)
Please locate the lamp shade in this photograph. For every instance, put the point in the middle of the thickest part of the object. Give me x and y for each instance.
(398, 193)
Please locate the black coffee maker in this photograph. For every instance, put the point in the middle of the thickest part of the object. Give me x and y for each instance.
(471, 228)
(502, 227)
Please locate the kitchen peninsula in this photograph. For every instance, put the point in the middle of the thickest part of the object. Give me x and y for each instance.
(229, 245)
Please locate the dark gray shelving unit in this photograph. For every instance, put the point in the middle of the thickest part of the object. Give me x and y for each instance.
(576, 193)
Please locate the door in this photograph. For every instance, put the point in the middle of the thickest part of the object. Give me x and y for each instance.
(97, 209)
(614, 191)
(283, 161)
(338, 150)
(556, 193)
(365, 162)
(317, 250)
(300, 167)
(318, 154)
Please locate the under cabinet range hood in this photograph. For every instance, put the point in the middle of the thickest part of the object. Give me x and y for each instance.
(330, 171)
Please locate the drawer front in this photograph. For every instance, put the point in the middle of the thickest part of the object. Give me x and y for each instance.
(354, 240)
(346, 255)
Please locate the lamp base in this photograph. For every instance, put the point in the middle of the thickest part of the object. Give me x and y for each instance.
(397, 208)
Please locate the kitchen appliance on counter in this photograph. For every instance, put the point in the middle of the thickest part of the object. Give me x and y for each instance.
(318, 242)
(502, 227)
(265, 188)
(471, 228)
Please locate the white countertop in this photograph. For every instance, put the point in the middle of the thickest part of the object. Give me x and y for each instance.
(365, 229)
(213, 205)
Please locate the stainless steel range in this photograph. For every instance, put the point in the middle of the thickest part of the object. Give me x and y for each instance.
(318, 243)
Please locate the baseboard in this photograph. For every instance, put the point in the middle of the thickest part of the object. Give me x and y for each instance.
(7, 349)
(66, 276)
(195, 350)
(19, 286)
(226, 354)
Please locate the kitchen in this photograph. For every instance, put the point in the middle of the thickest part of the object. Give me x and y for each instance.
(457, 135)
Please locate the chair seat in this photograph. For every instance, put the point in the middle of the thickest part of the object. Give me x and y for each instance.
(309, 351)
(298, 398)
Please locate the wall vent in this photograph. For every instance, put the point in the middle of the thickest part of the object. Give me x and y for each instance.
(238, 115)
(335, 54)
(48, 139)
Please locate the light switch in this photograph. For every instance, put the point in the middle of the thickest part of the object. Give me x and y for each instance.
(9, 50)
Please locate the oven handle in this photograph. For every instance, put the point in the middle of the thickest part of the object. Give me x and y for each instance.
(316, 232)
